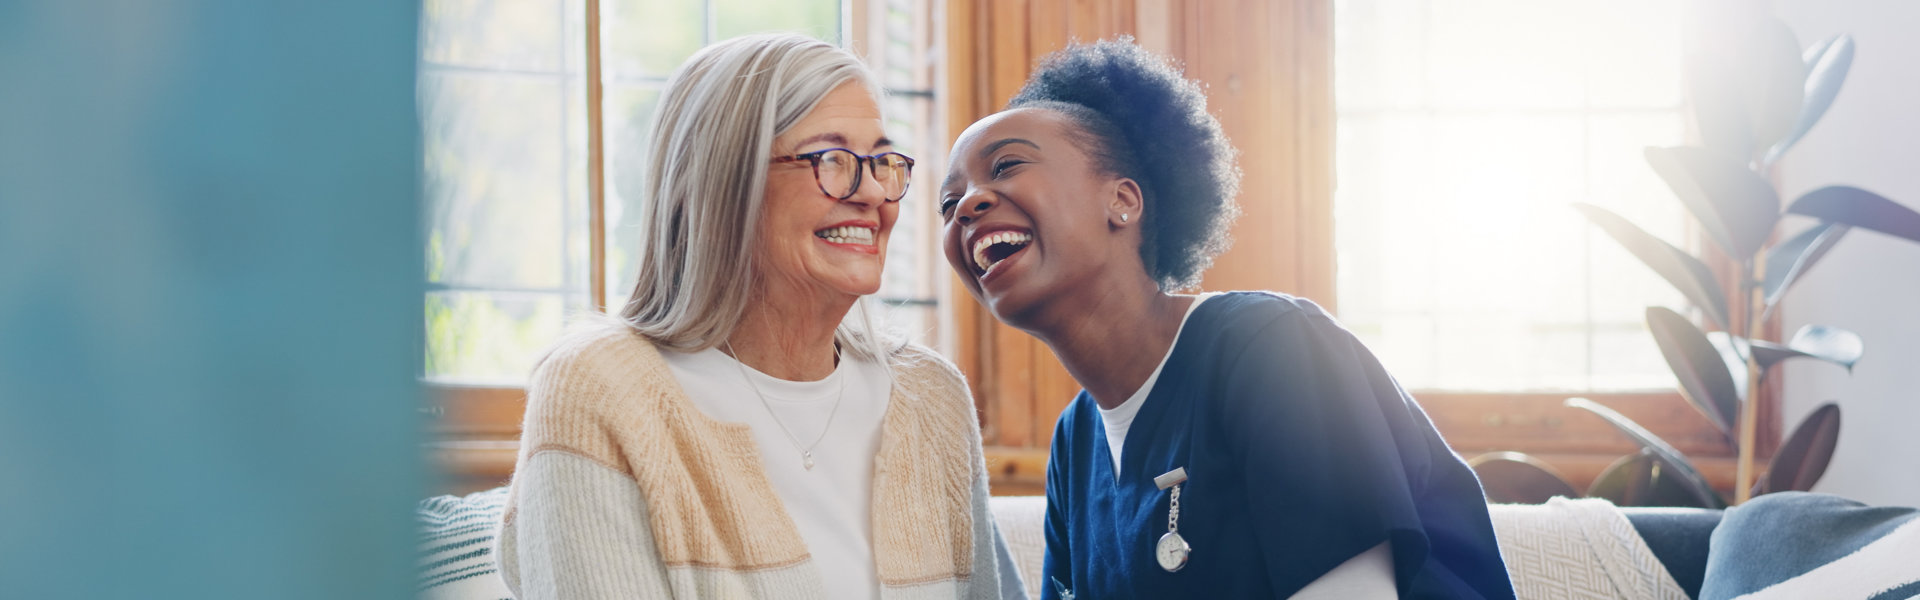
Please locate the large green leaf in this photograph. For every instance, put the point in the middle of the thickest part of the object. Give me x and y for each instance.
(1778, 84)
(1818, 342)
(1686, 273)
(1718, 103)
(1859, 208)
(1626, 480)
(1804, 457)
(1672, 461)
(1829, 62)
(1736, 206)
(1744, 80)
(1640, 479)
(1788, 260)
(1831, 344)
(1704, 375)
(1516, 478)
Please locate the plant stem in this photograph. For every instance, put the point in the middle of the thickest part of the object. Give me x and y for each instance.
(1750, 409)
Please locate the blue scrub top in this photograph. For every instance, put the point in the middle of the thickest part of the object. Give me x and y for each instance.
(1300, 452)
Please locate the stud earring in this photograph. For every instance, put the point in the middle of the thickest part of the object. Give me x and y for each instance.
(1123, 217)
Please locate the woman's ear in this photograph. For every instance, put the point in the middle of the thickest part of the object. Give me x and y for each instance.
(1124, 203)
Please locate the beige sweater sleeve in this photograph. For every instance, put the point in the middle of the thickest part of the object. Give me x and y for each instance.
(576, 524)
(580, 531)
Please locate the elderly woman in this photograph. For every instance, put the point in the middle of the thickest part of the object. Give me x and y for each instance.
(1237, 445)
(731, 435)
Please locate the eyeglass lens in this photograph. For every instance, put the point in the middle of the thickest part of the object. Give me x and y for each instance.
(839, 173)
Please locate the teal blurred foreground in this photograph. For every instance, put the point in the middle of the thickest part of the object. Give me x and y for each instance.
(209, 299)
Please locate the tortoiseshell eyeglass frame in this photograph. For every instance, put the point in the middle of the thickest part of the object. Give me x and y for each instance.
(863, 164)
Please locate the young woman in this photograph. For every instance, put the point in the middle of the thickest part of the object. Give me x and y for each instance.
(730, 434)
(1237, 445)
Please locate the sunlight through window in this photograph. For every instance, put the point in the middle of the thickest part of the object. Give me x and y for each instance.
(1466, 130)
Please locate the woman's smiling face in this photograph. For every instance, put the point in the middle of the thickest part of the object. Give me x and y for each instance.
(814, 241)
(1026, 213)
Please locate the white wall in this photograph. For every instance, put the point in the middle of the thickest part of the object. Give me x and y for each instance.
(1870, 283)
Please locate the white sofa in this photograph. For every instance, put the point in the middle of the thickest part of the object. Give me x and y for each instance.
(1584, 549)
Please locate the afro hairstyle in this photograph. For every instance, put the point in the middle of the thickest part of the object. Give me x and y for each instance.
(1140, 118)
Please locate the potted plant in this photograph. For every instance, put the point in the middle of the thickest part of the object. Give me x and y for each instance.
(1752, 100)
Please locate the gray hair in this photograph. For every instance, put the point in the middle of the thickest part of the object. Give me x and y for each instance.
(706, 182)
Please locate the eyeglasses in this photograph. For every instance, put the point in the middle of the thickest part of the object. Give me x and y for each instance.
(838, 171)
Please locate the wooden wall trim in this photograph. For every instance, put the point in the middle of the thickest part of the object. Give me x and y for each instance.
(1475, 423)
(477, 411)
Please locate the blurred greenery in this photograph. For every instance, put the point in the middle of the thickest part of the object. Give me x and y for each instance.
(817, 18)
(648, 38)
(487, 336)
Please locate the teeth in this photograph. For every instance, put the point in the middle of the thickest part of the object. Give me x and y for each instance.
(846, 235)
(987, 241)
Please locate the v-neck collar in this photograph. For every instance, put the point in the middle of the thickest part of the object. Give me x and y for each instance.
(1148, 409)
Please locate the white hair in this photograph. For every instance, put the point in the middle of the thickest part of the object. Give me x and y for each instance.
(706, 183)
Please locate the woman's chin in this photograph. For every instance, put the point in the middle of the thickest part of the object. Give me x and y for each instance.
(859, 285)
(852, 278)
(1015, 306)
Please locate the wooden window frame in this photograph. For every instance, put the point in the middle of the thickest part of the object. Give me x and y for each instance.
(475, 431)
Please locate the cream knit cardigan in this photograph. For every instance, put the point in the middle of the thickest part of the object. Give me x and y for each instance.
(624, 489)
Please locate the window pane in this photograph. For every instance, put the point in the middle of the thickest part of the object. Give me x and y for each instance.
(817, 18)
(649, 38)
(1379, 53)
(1507, 53)
(1466, 130)
(489, 337)
(1632, 60)
(913, 252)
(501, 35)
(493, 179)
(629, 116)
(503, 139)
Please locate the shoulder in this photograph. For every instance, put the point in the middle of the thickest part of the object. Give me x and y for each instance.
(923, 366)
(932, 388)
(1258, 307)
(598, 345)
(1284, 358)
(596, 371)
(1264, 322)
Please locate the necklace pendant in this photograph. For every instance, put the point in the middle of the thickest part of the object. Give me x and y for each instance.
(808, 460)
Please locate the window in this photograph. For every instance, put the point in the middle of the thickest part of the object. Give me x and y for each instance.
(1465, 131)
(503, 101)
(503, 124)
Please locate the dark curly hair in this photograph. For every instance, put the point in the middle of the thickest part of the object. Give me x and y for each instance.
(1141, 119)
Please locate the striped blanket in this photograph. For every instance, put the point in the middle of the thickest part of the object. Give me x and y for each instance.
(456, 546)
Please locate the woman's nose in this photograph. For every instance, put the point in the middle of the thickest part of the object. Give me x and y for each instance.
(870, 193)
(976, 205)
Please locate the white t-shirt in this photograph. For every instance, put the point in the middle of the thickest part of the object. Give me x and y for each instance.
(831, 504)
(1120, 419)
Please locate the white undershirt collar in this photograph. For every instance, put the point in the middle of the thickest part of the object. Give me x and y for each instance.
(1120, 418)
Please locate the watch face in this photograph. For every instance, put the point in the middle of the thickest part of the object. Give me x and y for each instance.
(1171, 552)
